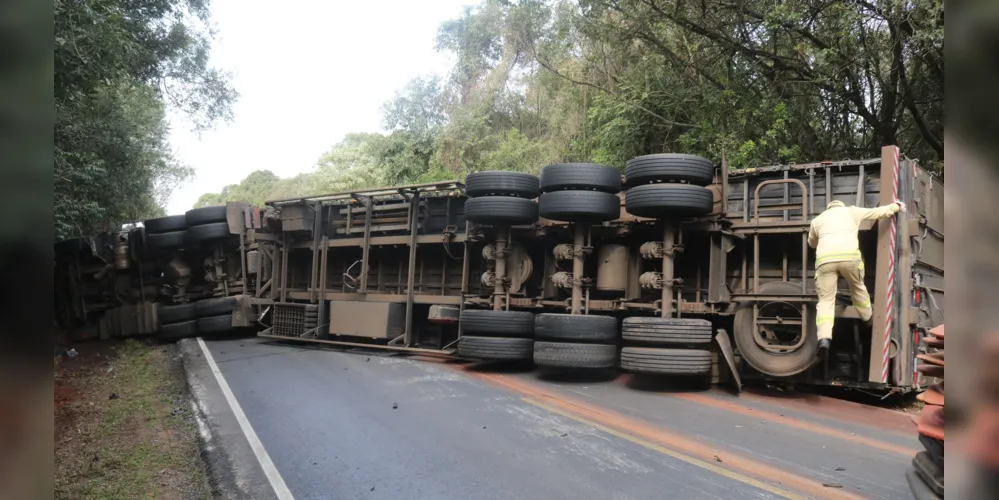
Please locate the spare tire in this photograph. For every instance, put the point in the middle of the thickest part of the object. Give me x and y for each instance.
(666, 331)
(777, 364)
(659, 200)
(667, 167)
(488, 323)
(164, 241)
(665, 361)
(581, 176)
(166, 224)
(496, 210)
(575, 327)
(571, 355)
(495, 348)
(206, 232)
(592, 207)
(205, 215)
(501, 183)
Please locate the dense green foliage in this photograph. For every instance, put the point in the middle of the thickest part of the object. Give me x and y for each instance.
(762, 82)
(118, 64)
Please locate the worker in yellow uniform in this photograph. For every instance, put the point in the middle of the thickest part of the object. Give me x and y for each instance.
(833, 235)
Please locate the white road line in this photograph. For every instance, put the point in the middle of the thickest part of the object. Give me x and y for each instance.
(273, 476)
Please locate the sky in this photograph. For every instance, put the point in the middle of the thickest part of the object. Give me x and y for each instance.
(308, 72)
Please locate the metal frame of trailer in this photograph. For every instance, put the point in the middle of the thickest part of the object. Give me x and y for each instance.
(410, 245)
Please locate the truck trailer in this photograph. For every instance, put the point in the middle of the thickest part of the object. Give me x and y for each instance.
(680, 267)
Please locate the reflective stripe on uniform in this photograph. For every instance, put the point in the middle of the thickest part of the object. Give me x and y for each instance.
(863, 305)
(820, 259)
(824, 319)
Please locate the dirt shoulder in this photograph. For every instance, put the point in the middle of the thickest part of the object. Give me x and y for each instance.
(124, 424)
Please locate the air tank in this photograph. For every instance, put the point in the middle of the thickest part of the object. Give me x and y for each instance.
(612, 270)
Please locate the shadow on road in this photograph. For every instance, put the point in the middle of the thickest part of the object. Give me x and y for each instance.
(670, 384)
(572, 376)
(500, 366)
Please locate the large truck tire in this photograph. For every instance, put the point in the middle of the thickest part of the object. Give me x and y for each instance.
(205, 215)
(165, 241)
(580, 176)
(175, 313)
(574, 355)
(500, 183)
(166, 224)
(666, 331)
(591, 207)
(495, 210)
(176, 331)
(215, 324)
(575, 328)
(658, 361)
(214, 307)
(658, 200)
(776, 364)
(487, 323)
(208, 231)
(498, 348)
(669, 167)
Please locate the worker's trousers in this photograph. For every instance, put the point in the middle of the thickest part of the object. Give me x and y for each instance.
(826, 278)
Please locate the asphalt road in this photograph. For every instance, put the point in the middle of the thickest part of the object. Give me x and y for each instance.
(376, 425)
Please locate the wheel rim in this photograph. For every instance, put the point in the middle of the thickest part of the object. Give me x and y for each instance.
(779, 339)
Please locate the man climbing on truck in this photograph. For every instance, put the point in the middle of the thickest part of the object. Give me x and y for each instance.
(833, 235)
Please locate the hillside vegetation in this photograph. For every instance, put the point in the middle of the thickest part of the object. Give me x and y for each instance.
(118, 64)
(537, 82)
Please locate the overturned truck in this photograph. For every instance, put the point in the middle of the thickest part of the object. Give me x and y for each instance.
(660, 272)
(681, 267)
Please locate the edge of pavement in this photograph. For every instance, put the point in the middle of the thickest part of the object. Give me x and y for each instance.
(233, 467)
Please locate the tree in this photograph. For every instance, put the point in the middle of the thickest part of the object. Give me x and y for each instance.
(117, 65)
(537, 82)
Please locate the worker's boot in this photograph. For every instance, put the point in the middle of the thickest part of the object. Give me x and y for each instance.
(823, 351)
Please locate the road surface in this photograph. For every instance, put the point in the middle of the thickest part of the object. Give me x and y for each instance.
(380, 425)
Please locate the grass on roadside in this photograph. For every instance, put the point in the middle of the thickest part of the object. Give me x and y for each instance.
(126, 430)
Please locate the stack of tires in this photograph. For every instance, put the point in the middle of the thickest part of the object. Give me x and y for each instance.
(575, 341)
(668, 185)
(165, 233)
(580, 192)
(500, 198)
(666, 346)
(205, 224)
(204, 317)
(496, 335)
(176, 322)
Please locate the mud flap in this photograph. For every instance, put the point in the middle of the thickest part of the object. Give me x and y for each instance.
(725, 345)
